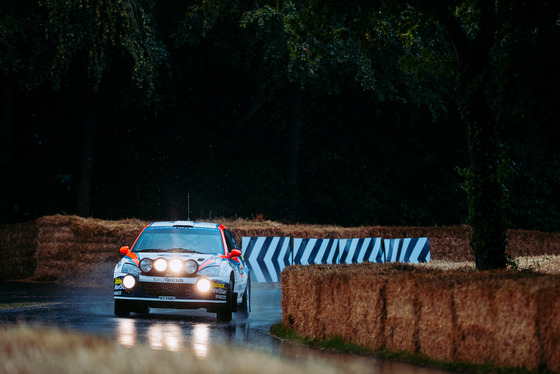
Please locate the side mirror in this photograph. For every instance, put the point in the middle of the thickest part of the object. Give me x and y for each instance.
(124, 250)
(235, 253)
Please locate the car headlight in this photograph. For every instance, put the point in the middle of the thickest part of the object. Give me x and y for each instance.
(146, 265)
(191, 266)
(203, 285)
(130, 268)
(176, 265)
(129, 281)
(210, 271)
(160, 264)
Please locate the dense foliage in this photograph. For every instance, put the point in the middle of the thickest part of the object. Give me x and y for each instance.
(318, 111)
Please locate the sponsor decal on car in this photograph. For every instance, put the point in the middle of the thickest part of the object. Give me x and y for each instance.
(167, 297)
(168, 280)
(118, 280)
(133, 257)
(210, 262)
(219, 291)
(217, 284)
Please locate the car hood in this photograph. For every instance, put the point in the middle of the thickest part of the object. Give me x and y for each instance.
(203, 260)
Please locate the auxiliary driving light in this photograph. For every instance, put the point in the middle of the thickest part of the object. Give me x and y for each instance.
(176, 265)
(146, 265)
(191, 266)
(129, 281)
(160, 264)
(203, 285)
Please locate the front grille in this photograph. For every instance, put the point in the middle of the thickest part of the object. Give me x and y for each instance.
(168, 289)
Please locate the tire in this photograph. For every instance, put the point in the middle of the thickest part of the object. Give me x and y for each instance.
(142, 310)
(121, 309)
(225, 314)
(245, 308)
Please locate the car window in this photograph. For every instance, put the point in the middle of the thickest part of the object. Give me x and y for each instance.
(234, 243)
(229, 242)
(183, 240)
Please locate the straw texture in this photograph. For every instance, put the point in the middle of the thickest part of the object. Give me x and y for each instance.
(507, 318)
(60, 248)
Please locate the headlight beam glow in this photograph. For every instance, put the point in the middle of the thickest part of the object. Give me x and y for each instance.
(203, 285)
(175, 265)
(160, 264)
(129, 281)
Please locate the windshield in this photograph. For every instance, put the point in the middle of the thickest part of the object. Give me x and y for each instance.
(181, 240)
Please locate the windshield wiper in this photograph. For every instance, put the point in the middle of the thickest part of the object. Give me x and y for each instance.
(150, 250)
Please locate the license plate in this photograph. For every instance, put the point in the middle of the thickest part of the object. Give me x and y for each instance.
(167, 297)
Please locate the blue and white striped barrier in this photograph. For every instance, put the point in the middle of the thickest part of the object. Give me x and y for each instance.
(315, 251)
(414, 250)
(354, 251)
(268, 256)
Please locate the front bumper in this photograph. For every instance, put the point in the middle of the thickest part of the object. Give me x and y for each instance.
(172, 292)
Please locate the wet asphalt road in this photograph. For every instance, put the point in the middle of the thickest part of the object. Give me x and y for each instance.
(90, 310)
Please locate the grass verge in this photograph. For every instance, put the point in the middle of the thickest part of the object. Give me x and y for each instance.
(43, 350)
(337, 344)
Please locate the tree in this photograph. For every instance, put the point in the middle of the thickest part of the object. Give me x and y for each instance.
(91, 38)
(23, 49)
(289, 64)
(480, 34)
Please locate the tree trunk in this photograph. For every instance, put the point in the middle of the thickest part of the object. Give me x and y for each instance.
(85, 172)
(485, 191)
(484, 179)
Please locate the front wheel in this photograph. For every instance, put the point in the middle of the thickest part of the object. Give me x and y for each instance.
(225, 314)
(245, 308)
(121, 309)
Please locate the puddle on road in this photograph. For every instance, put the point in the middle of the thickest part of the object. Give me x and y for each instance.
(91, 310)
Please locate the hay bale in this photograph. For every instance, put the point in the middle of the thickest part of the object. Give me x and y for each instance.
(365, 309)
(533, 243)
(548, 322)
(515, 329)
(333, 304)
(70, 246)
(403, 306)
(304, 308)
(402, 311)
(506, 318)
(436, 320)
(295, 301)
(496, 319)
(18, 244)
(475, 314)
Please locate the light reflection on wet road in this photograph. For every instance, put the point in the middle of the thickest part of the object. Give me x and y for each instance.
(90, 310)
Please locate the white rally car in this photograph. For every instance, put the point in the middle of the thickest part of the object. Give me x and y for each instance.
(183, 265)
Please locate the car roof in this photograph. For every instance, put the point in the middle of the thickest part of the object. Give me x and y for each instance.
(193, 224)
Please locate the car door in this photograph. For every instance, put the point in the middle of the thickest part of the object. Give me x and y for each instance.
(241, 271)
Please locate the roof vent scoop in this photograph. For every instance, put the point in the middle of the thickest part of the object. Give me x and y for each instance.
(183, 224)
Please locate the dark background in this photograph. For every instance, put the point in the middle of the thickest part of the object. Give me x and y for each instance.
(218, 126)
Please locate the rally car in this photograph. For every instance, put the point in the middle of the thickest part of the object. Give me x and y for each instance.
(183, 265)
